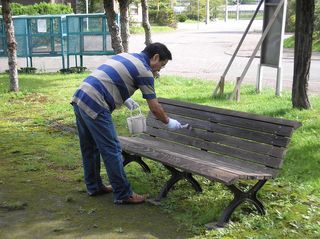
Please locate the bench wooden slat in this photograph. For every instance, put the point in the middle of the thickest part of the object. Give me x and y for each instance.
(260, 137)
(239, 114)
(224, 139)
(185, 162)
(231, 164)
(210, 146)
(231, 120)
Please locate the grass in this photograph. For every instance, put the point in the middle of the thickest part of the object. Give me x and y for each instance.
(289, 43)
(39, 153)
(154, 29)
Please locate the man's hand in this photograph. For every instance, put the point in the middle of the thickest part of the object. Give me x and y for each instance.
(131, 104)
(174, 124)
(156, 74)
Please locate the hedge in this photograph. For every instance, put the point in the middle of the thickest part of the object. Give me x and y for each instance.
(42, 8)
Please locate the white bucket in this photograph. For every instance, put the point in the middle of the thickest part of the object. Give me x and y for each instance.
(137, 124)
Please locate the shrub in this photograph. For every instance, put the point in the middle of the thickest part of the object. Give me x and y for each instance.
(74, 69)
(291, 16)
(182, 17)
(163, 17)
(317, 19)
(42, 8)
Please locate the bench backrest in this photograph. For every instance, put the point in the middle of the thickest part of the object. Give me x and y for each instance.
(232, 134)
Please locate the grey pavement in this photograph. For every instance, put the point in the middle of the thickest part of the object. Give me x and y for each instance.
(203, 51)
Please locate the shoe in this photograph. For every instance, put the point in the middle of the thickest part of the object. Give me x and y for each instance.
(106, 189)
(102, 190)
(135, 199)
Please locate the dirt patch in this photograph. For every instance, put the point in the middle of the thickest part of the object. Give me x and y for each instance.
(36, 97)
(58, 126)
(19, 119)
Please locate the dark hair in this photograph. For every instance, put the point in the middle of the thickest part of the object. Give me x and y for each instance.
(158, 48)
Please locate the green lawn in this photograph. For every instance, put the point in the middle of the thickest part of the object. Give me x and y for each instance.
(289, 43)
(154, 29)
(37, 142)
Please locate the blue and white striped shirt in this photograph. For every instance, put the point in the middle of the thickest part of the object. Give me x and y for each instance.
(115, 81)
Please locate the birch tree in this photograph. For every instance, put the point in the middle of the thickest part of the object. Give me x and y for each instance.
(145, 22)
(12, 45)
(124, 23)
(114, 30)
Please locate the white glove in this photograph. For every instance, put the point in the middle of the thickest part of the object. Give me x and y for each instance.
(174, 124)
(131, 104)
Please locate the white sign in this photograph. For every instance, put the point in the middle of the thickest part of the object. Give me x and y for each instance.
(42, 25)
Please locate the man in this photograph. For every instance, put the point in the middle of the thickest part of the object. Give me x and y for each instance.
(106, 89)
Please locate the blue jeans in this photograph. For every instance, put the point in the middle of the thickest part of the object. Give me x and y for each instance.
(98, 137)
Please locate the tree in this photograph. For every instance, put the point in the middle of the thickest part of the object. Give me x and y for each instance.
(114, 30)
(12, 46)
(303, 49)
(145, 22)
(192, 10)
(124, 22)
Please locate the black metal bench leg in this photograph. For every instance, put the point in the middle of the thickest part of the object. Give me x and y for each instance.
(253, 196)
(176, 175)
(193, 182)
(240, 197)
(128, 158)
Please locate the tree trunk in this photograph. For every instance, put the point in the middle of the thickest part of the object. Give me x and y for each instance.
(124, 23)
(303, 50)
(12, 46)
(145, 22)
(114, 30)
(74, 5)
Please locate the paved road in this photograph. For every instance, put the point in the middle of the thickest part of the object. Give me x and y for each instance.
(203, 51)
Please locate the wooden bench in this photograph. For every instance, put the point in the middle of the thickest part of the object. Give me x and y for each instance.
(223, 145)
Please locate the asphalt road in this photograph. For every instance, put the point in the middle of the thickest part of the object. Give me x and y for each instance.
(203, 51)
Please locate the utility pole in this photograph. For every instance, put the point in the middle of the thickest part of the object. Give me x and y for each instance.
(207, 12)
(198, 14)
(237, 10)
(226, 11)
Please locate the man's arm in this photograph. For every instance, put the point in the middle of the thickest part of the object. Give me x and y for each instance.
(157, 110)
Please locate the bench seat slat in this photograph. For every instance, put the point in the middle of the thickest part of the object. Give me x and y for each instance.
(244, 167)
(163, 152)
(224, 139)
(239, 114)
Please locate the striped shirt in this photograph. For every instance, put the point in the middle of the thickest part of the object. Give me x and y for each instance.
(114, 82)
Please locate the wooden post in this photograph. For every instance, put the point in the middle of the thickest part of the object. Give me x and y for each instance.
(221, 85)
(266, 31)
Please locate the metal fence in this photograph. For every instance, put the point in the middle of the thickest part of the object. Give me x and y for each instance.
(59, 36)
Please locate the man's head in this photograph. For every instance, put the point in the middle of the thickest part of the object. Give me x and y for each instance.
(159, 55)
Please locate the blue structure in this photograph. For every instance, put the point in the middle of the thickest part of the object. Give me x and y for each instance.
(59, 35)
(2, 39)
